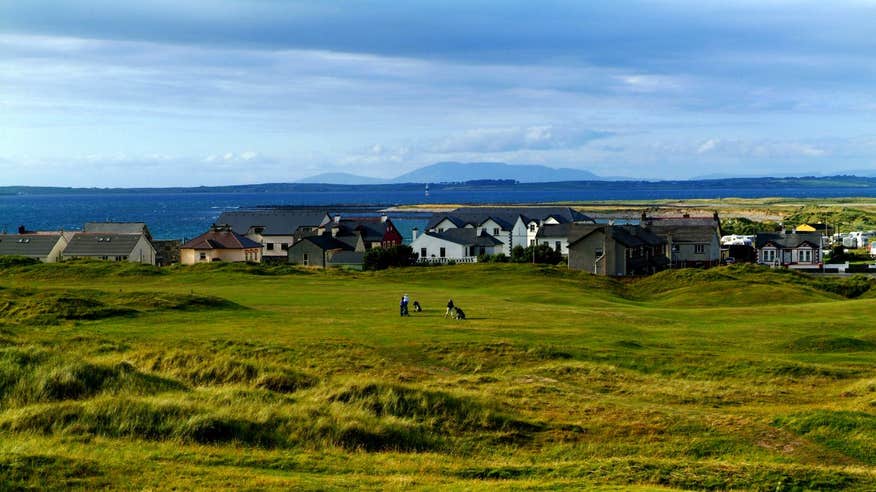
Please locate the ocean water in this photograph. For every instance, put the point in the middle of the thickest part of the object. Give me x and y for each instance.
(186, 215)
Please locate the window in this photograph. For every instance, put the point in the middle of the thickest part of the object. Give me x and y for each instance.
(699, 248)
(306, 259)
(203, 256)
(532, 227)
(769, 255)
(442, 253)
(558, 246)
(270, 246)
(284, 246)
(805, 256)
(495, 231)
(532, 242)
(423, 253)
(598, 252)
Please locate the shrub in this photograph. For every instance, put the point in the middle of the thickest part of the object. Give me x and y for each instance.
(383, 258)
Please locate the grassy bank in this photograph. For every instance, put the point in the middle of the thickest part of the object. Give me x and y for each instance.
(244, 376)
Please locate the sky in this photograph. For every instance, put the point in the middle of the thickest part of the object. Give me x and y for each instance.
(213, 92)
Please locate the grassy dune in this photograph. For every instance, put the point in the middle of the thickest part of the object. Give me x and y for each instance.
(274, 377)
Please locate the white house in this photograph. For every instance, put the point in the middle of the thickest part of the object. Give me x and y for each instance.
(556, 236)
(791, 250)
(513, 226)
(462, 245)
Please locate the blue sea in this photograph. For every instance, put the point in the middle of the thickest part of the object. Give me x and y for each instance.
(186, 215)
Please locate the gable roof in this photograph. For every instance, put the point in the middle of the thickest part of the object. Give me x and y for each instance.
(554, 230)
(89, 244)
(221, 238)
(326, 242)
(506, 216)
(686, 229)
(276, 222)
(466, 236)
(372, 229)
(631, 236)
(787, 241)
(116, 228)
(30, 245)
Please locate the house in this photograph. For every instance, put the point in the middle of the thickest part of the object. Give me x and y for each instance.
(513, 226)
(616, 250)
(275, 229)
(325, 250)
(795, 250)
(45, 247)
(376, 232)
(135, 248)
(556, 236)
(220, 243)
(693, 241)
(456, 244)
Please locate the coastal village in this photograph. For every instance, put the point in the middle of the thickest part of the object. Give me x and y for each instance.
(322, 239)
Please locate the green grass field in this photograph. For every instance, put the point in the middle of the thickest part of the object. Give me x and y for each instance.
(237, 376)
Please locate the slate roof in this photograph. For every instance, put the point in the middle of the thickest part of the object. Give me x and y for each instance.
(220, 238)
(30, 245)
(466, 236)
(326, 242)
(373, 229)
(275, 222)
(87, 244)
(506, 216)
(116, 228)
(554, 230)
(686, 229)
(631, 236)
(787, 241)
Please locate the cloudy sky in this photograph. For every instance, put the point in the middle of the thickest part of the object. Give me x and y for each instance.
(204, 92)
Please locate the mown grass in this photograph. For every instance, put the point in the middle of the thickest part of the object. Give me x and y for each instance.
(242, 376)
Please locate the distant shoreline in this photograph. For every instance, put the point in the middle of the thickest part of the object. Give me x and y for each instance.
(857, 182)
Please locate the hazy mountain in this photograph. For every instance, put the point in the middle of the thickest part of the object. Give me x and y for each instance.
(342, 178)
(469, 171)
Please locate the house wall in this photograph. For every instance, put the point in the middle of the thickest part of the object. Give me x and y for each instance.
(433, 247)
(315, 256)
(189, 256)
(143, 252)
(275, 242)
(552, 242)
(519, 236)
(56, 252)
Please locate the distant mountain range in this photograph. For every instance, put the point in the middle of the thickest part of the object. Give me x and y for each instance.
(456, 172)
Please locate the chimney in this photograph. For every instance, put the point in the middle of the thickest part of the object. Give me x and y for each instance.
(383, 218)
(414, 233)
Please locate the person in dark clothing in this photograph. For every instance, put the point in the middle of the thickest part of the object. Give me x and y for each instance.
(417, 308)
(460, 314)
(450, 309)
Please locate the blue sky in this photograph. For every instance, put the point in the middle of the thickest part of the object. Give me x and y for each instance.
(205, 92)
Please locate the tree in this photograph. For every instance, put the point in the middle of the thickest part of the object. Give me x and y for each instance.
(543, 254)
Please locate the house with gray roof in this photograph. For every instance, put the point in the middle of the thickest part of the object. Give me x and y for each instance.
(275, 229)
(44, 247)
(513, 226)
(325, 250)
(798, 250)
(616, 250)
(462, 245)
(556, 236)
(135, 248)
(693, 241)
